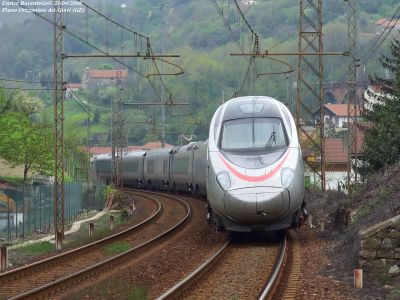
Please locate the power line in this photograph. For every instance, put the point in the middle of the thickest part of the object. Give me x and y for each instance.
(151, 83)
(380, 44)
(81, 103)
(244, 18)
(25, 81)
(112, 21)
(227, 24)
(26, 89)
(371, 51)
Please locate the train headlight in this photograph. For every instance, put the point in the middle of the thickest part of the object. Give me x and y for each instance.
(287, 177)
(224, 180)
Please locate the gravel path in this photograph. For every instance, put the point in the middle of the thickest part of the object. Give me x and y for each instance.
(240, 274)
(320, 278)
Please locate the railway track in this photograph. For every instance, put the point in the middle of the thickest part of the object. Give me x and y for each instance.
(243, 271)
(48, 278)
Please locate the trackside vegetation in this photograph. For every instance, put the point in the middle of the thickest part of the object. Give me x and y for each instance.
(23, 140)
(382, 138)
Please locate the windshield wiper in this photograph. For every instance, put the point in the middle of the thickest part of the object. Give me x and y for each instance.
(272, 139)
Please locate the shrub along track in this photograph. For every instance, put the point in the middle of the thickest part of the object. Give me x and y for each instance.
(71, 268)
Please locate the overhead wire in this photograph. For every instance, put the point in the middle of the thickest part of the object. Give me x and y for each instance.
(24, 81)
(112, 21)
(83, 106)
(135, 34)
(26, 89)
(227, 23)
(371, 51)
(151, 83)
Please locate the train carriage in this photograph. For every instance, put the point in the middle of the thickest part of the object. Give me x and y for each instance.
(250, 169)
(101, 167)
(156, 169)
(133, 168)
(200, 168)
(182, 168)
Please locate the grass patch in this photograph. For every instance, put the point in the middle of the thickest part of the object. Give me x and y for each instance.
(82, 236)
(117, 247)
(13, 180)
(138, 293)
(109, 290)
(395, 293)
(37, 248)
(101, 230)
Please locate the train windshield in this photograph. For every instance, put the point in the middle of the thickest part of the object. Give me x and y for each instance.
(253, 133)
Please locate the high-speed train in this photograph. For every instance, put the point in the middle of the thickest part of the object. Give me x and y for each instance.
(250, 170)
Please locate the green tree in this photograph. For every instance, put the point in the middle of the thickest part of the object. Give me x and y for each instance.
(105, 67)
(24, 143)
(19, 101)
(382, 139)
(21, 141)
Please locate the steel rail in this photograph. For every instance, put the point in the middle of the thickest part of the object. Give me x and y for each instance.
(274, 276)
(192, 277)
(42, 263)
(97, 267)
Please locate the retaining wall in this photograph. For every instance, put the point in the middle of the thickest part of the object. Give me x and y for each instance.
(380, 248)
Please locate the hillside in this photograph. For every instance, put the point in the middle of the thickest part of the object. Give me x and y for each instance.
(195, 31)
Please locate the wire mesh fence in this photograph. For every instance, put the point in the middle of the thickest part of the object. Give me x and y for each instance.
(29, 210)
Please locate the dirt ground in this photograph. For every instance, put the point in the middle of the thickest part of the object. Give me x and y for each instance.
(323, 276)
(6, 170)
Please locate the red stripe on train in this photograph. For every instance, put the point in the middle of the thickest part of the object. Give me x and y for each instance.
(254, 178)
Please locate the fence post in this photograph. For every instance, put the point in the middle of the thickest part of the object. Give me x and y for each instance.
(358, 278)
(40, 214)
(16, 219)
(28, 215)
(23, 215)
(3, 256)
(132, 206)
(91, 229)
(112, 223)
(8, 220)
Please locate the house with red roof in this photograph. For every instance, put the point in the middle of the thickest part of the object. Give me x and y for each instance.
(381, 24)
(94, 77)
(336, 114)
(70, 88)
(336, 160)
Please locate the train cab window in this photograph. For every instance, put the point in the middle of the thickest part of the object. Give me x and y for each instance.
(253, 133)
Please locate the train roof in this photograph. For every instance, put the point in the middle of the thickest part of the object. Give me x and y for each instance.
(101, 156)
(134, 153)
(157, 151)
(252, 107)
(189, 147)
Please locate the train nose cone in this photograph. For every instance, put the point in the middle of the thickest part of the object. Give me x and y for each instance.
(257, 204)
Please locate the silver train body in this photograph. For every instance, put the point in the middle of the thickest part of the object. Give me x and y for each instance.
(250, 169)
(255, 167)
